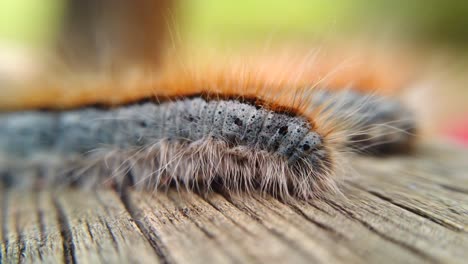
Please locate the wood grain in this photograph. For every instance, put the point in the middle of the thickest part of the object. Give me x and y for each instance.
(404, 209)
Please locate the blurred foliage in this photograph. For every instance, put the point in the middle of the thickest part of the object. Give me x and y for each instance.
(259, 18)
(436, 20)
(425, 20)
(34, 21)
(29, 21)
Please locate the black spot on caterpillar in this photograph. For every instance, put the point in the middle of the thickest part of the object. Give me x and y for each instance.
(196, 141)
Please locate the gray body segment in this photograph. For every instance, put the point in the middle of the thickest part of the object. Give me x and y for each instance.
(84, 130)
(374, 124)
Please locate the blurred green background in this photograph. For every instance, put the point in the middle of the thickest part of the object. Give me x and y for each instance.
(29, 22)
(434, 21)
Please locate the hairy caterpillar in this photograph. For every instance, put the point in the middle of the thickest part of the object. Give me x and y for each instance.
(280, 138)
(274, 126)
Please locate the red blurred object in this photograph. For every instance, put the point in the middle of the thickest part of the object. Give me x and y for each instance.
(458, 131)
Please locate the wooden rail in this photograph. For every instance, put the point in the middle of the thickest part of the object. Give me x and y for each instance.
(405, 209)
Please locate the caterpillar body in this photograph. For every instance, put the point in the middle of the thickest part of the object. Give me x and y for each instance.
(242, 143)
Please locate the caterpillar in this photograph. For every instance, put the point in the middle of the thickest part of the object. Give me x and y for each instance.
(241, 136)
(275, 128)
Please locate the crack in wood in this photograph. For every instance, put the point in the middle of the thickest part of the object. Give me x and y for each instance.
(42, 227)
(432, 218)
(275, 232)
(410, 248)
(4, 226)
(88, 229)
(154, 239)
(20, 240)
(115, 243)
(227, 216)
(210, 235)
(454, 188)
(66, 233)
(443, 223)
(318, 224)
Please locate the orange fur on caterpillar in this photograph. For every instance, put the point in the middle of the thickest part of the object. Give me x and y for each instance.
(179, 75)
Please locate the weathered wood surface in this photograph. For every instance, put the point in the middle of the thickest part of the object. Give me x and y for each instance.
(406, 209)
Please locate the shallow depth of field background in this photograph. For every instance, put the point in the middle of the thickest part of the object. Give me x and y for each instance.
(436, 31)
